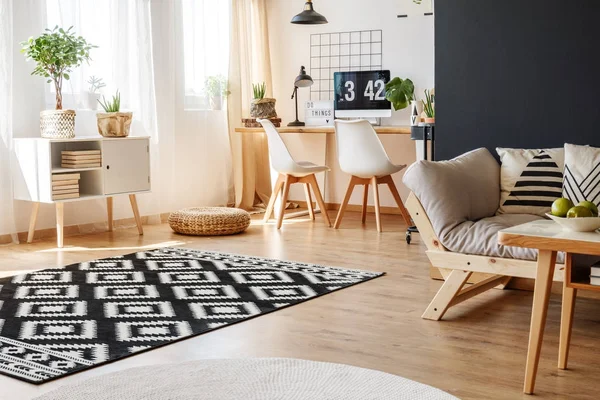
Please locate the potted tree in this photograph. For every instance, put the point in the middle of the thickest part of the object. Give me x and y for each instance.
(216, 88)
(93, 94)
(261, 106)
(57, 52)
(112, 122)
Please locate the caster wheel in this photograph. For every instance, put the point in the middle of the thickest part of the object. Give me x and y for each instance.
(408, 237)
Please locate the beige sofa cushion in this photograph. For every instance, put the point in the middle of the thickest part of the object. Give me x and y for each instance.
(481, 237)
(466, 188)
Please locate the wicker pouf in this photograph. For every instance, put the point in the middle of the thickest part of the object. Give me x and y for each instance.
(209, 221)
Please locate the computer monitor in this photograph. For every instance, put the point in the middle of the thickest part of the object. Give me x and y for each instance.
(361, 94)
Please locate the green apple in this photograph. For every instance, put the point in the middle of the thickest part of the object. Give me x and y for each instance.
(590, 206)
(561, 207)
(579, 212)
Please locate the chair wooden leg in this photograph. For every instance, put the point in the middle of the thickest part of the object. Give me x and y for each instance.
(344, 204)
(32, 221)
(396, 195)
(60, 224)
(309, 203)
(284, 196)
(273, 199)
(449, 290)
(566, 324)
(365, 204)
(109, 212)
(315, 187)
(376, 201)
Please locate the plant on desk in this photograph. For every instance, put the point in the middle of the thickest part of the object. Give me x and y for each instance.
(429, 107)
(112, 122)
(261, 106)
(57, 52)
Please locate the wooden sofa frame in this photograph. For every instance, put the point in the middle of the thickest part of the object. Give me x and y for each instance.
(456, 268)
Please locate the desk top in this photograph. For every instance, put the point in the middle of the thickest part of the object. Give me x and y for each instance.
(382, 130)
(548, 235)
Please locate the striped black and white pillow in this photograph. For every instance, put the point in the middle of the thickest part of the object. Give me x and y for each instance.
(530, 180)
(582, 173)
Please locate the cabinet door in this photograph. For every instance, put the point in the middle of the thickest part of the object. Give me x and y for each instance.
(126, 166)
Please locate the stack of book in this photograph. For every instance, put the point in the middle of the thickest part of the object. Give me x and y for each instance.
(81, 159)
(65, 186)
(595, 274)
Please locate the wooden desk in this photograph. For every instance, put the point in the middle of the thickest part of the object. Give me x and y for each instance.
(320, 130)
(549, 238)
(381, 130)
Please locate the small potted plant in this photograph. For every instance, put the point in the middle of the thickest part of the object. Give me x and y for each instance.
(429, 107)
(401, 93)
(93, 94)
(261, 106)
(216, 89)
(57, 52)
(112, 122)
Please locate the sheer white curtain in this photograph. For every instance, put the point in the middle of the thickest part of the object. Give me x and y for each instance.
(158, 54)
(7, 215)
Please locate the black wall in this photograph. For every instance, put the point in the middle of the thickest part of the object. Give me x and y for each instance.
(516, 73)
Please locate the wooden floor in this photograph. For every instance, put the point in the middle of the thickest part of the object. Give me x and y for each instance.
(477, 352)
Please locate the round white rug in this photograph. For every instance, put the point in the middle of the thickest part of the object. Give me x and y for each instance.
(253, 378)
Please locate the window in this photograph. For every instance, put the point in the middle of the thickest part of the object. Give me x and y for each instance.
(205, 47)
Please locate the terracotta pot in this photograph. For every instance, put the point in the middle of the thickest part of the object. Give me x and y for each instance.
(430, 120)
(115, 124)
(57, 124)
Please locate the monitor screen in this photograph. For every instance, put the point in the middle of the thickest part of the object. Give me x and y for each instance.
(361, 94)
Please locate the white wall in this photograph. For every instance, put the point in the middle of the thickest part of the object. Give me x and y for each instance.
(407, 52)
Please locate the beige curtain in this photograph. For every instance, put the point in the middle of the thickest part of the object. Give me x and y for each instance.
(249, 62)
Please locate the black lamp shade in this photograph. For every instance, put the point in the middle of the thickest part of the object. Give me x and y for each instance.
(303, 80)
(309, 16)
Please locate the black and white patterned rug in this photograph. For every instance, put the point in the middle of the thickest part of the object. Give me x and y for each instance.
(56, 322)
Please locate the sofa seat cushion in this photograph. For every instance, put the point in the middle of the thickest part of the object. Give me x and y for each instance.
(481, 237)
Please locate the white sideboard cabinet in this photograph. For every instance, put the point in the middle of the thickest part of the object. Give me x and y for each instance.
(124, 170)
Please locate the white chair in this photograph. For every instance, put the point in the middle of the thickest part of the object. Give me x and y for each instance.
(291, 172)
(361, 154)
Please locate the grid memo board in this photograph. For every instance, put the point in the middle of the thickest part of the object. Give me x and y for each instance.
(339, 52)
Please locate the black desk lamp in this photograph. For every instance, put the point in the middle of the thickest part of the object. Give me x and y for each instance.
(302, 80)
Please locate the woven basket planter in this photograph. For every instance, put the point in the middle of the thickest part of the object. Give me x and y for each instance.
(115, 124)
(209, 221)
(263, 108)
(57, 124)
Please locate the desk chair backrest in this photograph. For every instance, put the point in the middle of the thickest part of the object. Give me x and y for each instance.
(360, 152)
(281, 159)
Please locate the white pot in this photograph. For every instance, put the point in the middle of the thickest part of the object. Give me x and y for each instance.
(216, 103)
(90, 100)
(416, 108)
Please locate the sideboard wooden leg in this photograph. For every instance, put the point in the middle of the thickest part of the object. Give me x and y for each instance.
(32, 221)
(60, 224)
(109, 211)
(136, 213)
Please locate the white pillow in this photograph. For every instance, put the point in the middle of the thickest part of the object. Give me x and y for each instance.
(582, 173)
(530, 180)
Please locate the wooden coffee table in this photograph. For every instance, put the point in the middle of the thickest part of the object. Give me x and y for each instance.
(549, 238)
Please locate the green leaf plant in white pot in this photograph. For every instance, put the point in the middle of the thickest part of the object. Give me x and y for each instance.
(57, 52)
(112, 122)
(92, 96)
